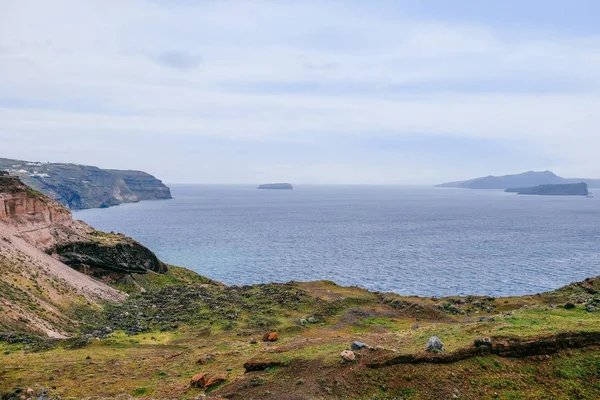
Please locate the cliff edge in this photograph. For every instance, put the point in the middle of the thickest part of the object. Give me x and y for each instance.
(81, 186)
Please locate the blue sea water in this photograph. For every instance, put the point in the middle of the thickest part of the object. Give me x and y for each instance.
(410, 240)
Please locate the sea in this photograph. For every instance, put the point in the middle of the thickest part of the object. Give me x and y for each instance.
(410, 240)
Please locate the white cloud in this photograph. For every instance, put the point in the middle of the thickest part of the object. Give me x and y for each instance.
(291, 72)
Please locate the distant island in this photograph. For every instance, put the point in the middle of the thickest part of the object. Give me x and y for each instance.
(82, 186)
(568, 189)
(524, 180)
(284, 186)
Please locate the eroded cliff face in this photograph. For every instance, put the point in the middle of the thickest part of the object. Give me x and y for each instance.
(107, 255)
(50, 227)
(24, 206)
(46, 259)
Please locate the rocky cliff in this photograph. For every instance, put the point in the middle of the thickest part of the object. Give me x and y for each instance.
(81, 186)
(48, 262)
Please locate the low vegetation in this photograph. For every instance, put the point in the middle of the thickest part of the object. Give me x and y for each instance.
(175, 326)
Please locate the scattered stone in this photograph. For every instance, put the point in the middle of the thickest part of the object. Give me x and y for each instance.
(414, 327)
(253, 341)
(206, 359)
(569, 306)
(379, 348)
(311, 320)
(303, 321)
(358, 346)
(434, 344)
(482, 319)
(480, 342)
(590, 308)
(271, 337)
(348, 356)
(30, 392)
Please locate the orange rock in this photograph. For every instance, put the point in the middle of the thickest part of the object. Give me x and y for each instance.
(271, 337)
(215, 380)
(198, 380)
(205, 381)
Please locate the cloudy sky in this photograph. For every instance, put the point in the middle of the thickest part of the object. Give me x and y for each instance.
(303, 91)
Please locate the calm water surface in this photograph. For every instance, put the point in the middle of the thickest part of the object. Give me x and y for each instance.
(410, 240)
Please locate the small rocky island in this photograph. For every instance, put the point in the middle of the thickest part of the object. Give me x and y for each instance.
(569, 189)
(284, 186)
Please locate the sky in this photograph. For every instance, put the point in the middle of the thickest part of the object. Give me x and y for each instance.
(385, 92)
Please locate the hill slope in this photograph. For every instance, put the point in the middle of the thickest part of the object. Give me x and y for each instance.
(48, 263)
(82, 186)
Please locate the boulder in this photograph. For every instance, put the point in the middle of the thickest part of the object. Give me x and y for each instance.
(348, 356)
(206, 381)
(271, 337)
(434, 344)
(590, 308)
(481, 342)
(214, 380)
(569, 306)
(358, 346)
(198, 380)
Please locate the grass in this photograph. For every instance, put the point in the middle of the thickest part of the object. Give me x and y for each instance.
(211, 319)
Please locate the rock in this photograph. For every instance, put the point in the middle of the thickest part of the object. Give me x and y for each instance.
(434, 344)
(205, 359)
(215, 380)
(569, 306)
(261, 365)
(311, 320)
(253, 341)
(480, 342)
(206, 381)
(30, 392)
(198, 380)
(303, 321)
(590, 308)
(358, 346)
(415, 326)
(348, 356)
(271, 337)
